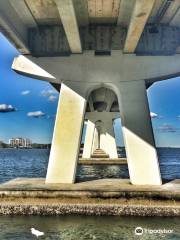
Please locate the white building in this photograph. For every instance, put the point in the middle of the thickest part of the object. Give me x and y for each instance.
(20, 142)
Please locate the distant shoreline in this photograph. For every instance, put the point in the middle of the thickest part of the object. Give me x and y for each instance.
(33, 146)
(8, 148)
(48, 146)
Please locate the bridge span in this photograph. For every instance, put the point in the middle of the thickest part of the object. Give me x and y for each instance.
(101, 55)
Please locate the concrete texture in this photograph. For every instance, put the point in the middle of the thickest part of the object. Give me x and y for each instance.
(88, 142)
(138, 134)
(101, 161)
(103, 123)
(105, 161)
(66, 138)
(90, 209)
(69, 21)
(139, 17)
(87, 70)
(125, 74)
(103, 188)
(110, 142)
(17, 18)
(24, 196)
(133, 106)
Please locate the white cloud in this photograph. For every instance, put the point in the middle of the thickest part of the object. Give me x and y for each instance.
(168, 128)
(36, 114)
(26, 92)
(48, 92)
(153, 115)
(6, 108)
(52, 98)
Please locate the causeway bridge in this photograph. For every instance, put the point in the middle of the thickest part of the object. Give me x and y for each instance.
(101, 55)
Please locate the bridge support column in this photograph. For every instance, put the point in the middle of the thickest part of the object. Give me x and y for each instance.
(95, 140)
(138, 136)
(103, 141)
(66, 137)
(111, 147)
(88, 142)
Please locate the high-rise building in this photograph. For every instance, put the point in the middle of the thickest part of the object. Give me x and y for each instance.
(20, 142)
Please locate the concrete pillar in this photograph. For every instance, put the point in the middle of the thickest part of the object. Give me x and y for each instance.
(66, 137)
(95, 140)
(88, 142)
(111, 148)
(103, 141)
(138, 136)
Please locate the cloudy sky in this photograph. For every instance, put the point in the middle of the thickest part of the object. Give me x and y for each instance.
(28, 107)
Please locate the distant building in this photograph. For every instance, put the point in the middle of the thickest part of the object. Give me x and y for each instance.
(20, 143)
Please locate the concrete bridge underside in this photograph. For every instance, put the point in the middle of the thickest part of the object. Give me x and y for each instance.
(101, 56)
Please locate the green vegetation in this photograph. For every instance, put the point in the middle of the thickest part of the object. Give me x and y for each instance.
(34, 145)
(3, 145)
(41, 146)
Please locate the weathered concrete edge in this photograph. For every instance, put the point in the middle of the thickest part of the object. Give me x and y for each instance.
(90, 210)
(164, 195)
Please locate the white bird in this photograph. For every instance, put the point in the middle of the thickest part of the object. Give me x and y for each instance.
(36, 232)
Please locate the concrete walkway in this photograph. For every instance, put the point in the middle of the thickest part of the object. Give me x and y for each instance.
(106, 188)
(31, 196)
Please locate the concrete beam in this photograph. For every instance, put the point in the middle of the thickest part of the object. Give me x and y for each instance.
(44, 11)
(81, 9)
(69, 21)
(26, 67)
(158, 40)
(141, 12)
(22, 10)
(155, 11)
(52, 41)
(88, 70)
(12, 27)
(125, 11)
(95, 116)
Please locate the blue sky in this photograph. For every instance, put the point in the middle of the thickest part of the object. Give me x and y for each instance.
(28, 97)
(164, 100)
(31, 98)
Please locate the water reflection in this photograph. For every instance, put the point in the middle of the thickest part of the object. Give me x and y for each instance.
(101, 171)
(33, 163)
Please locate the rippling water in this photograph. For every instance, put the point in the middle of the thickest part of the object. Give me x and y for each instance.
(33, 163)
(87, 228)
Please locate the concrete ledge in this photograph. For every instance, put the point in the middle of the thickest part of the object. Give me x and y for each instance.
(106, 161)
(103, 188)
(24, 196)
(90, 209)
